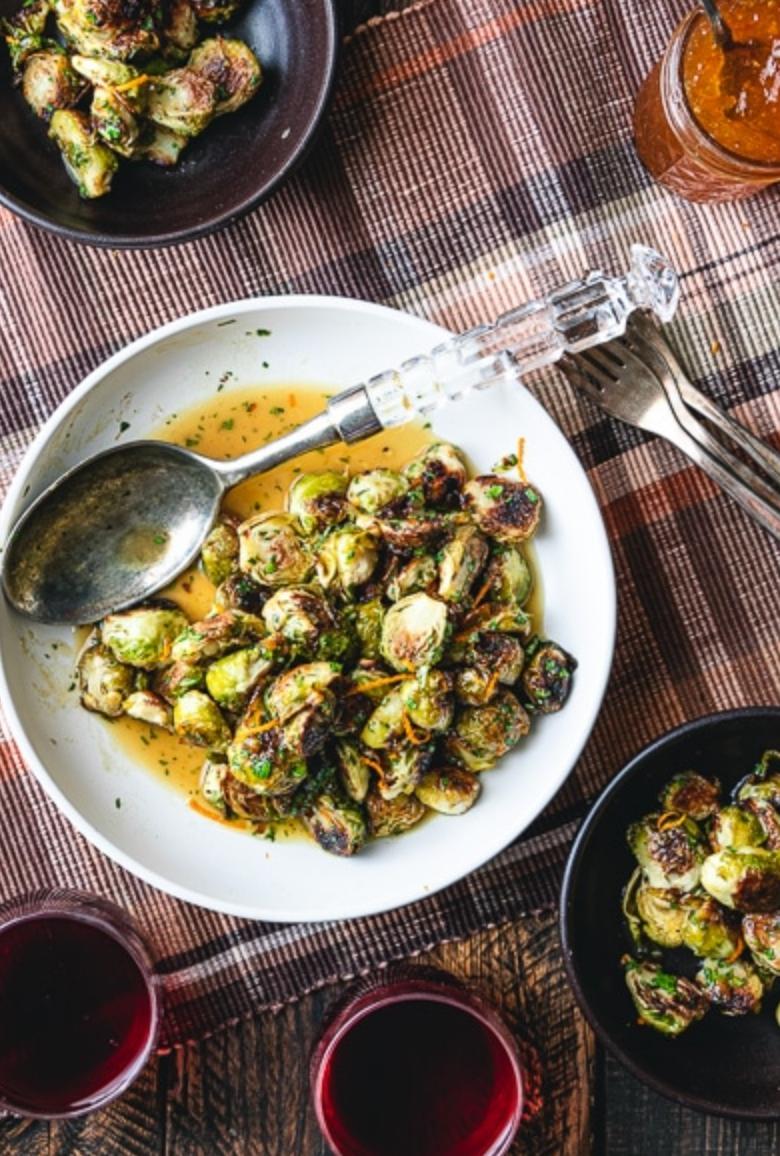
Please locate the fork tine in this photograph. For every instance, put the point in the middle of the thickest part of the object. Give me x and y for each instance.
(601, 368)
(573, 370)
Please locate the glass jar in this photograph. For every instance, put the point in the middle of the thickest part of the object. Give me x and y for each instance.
(674, 147)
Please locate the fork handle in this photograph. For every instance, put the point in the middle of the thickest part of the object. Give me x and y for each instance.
(761, 453)
(766, 513)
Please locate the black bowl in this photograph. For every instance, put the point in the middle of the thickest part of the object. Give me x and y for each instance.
(237, 162)
(730, 1067)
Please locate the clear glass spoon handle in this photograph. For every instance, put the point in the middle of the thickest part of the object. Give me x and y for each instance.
(581, 314)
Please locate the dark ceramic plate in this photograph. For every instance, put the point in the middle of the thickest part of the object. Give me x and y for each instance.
(727, 1066)
(228, 170)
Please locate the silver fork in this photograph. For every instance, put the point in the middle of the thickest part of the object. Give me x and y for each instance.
(626, 388)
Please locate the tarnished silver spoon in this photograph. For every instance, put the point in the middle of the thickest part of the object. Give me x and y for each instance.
(122, 525)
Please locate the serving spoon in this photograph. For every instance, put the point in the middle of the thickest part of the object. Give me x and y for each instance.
(120, 526)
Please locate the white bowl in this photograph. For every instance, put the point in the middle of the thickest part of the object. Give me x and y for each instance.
(332, 342)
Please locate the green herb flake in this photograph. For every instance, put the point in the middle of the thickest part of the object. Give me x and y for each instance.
(124, 425)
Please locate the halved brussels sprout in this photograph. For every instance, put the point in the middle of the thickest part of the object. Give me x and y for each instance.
(148, 707)
(475, 686)
(317, 500)
(417, 574)
(272, 551)
(337, 824)
(300, 615)
(308, 730)
(415, 632)
(484, 734)
(669, 857)
(232, 68)
(734, 826)
(762, 935)
(107, 27)
(691, 794)
(49, 82)
(439, 470)
(448, 790)
(392, 816)
(768, 820)
(761, 784)
(219, 552)
(90, 165)
(371, 491)
(159, 145)
(505, 617)
(662, 913)
(23, 32)
(198, 719)
(143, 636)
(103, 73)
(461, 560)
(406, 528)
(240, 592)
(669, 1003)
(347, 558)
(212, 783)
(745, 878)
(216, 635)
(309, 684)
(505, 510)
(368, 626)
(547, 677)
(428, 702)
(386, 722)
(264, 761)
(707, 929)
(216, 11)
(403, 767)
(177, 679)
(370, 679)
(182, 100)
(104, 681)
(733, 988)
(180, 31)
(353, 770)
(510, 576)
(114, 122)
(223, 791)
(501, 656)
(231, 679)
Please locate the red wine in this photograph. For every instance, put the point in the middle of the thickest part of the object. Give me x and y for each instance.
(419, 1077)
(76, 1014)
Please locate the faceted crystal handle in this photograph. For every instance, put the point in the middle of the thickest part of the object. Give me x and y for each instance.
(581, 314)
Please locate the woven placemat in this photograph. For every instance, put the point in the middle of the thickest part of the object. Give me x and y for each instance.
(476, 154)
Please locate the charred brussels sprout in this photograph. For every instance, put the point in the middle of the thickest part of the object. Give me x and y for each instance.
(90, 164)
(414, 632)
(762, 936)
(272, 551)
(216, 635)
(408, 528)
(180, 31)
(264, 760)
(662, 914)
(198, 719)
(49, 83)
(403, 767)
(499, 655)
(347, 558)
(317, 500)
(148, 707)
(448, 790)
(143, 636)
(24, 31)
(416, 574)
(745, 878)
(428, 702)
(219, 553)
(368, 627)
(510, 576)
(668, 1003)
(760, 784)
(547, 677)
(733, 988)
(183, 101)
(337, 824)
(159, 145)
(177, 679)
(353, 770)
(239, 592)
(231, 679)
(300, 615)
(462, 559)
(104, 681)
(768, 820)
(484, 734)
(373, 490)
(691, 794)
(392, 816)
(505, 510)
(114, 122)
(232, 67)
(475, 686)
(441, 474)
(669, 857)
(708, 931)
(111, 28)
(309, 684)
(735, 826)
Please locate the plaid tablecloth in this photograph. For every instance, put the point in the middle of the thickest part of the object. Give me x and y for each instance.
(478, 152)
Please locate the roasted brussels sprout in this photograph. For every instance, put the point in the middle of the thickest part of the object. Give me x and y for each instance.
(505, 510)
(386, 723)
(272, 551)
(368, 627)
(461, 560)
(414, 633)
(104, 681)
(669, 856)
(110, 28)
(509, 576)
(240, 592)
(219, 553)
(735, 826)
(177, 679)
(159, 145)
(198, 719)
(733, 988)
(475, 686)
(668, 1003)
(768, 820)
(317, 500)
(745, 878)
(337, 824)
(215, 11)
(263, 760)
(441, 474)
(428, 702)
(691, 794)
(347, 558)
(49, 82)
(180, 31)
(392, 816)
(90, 164)
(762, 936)
(114, 122)
(483, 734)
(216, 635)
(499, 655)
(547, 677)
(102, 73)
(143, 636)
(24, 31)
(403, 767)
(231, 679)
(417, 574)
(373, 490)
(309, 684)
(304, 618)
(502, 616)
(662, 913)
(232, 67)
(353, 770)
(245, 802)
(760, 784)
(148, 707)
(182, 100)
(407, 528)
(448, 790)
(708, 930)
(212, 783)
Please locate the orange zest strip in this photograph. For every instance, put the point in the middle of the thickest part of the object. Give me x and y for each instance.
(737, 950)
(136, 82)
(482, 592)
(670, 819)
(492, 684)
(366, 686)
(520, 455)
(411, 733)
(374, 764)
(267, 726)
